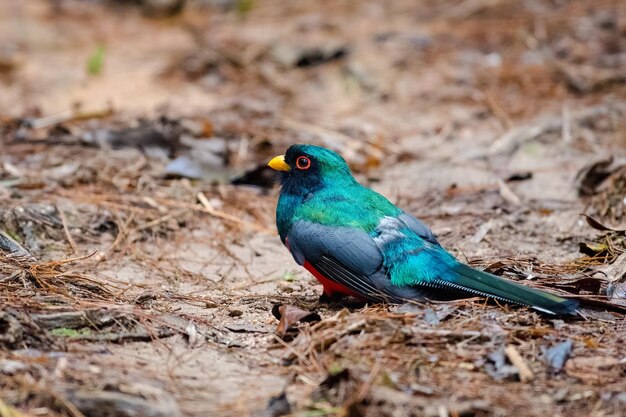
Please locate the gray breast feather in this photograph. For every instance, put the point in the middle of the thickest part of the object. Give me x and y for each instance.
(353, 248)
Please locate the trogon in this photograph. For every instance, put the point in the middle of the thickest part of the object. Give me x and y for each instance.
(357, 243)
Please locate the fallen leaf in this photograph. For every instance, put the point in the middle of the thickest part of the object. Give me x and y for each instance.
(592, 175)
(599, 226)
(430, 317)
(290, 315)
(557, 355)
(158, 135)
(276, 406)
(195, 167)
(507, 193)
(482, 231)
(12, 248)
(616, 292)
(6, 410)
(95, 62)
(497, 366)
(592, 249)
(407, 308)
(616, 270)
(591, 285)
(335, 376)
(244, 327)
(591, 342)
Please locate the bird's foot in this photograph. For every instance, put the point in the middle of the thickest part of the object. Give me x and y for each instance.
(333, 298)
(339, 301)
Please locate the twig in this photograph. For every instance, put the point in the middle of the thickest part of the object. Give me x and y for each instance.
(525, 374)
(8, 411)
(160, 220)
(66, 229)
(208, 208)
(450, 334)
(121, 235)
(69, 116)
(508, 194)
(362, 392)
(254, 284)
(292, 350)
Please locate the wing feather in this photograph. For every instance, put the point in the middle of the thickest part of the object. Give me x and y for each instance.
(346, 255)
(418, 227)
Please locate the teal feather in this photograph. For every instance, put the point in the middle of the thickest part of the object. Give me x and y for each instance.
(328, 195)
(335, 199)
(412, 260)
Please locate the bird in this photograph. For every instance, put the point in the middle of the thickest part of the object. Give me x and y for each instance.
(357, 243)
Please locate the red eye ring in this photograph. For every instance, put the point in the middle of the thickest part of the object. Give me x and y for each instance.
(303, 163)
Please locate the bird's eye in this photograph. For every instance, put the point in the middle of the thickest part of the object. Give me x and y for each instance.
(303, 162)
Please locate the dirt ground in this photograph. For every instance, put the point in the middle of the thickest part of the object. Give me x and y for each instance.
(140, 269)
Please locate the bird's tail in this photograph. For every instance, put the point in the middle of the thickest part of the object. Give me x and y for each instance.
(489, 285)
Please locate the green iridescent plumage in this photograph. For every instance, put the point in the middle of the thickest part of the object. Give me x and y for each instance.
(337, 200)
(364, 242)
(412, 260)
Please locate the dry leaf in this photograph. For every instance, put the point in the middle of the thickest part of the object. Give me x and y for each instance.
(599, 226)
(290, 315)
(557, 355)
(595, 369)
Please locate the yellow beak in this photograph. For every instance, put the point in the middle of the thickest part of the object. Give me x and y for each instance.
(278, 163)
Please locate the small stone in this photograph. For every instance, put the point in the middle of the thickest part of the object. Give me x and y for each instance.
(235, 313)
(285, 287)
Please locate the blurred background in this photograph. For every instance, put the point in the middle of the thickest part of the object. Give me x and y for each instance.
(372, 71)
(134, 136)
(384, 73)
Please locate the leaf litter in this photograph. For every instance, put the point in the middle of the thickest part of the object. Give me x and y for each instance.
(139, 267)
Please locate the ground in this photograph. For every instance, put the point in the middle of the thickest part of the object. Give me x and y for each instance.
(141, 273)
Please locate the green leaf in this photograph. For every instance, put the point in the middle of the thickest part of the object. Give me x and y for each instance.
(289, 276)
(335, 368)
(67, 332)
(244, 6)
(95, 62)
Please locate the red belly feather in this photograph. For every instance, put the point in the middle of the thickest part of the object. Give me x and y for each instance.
(330, 287)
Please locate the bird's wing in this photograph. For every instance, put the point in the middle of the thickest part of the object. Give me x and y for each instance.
(352, 247)
(418, 228)
(350, 257)
(417, 263)
(345, 255)
(393, 265)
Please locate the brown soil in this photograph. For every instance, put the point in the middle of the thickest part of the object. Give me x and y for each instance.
(141, 293)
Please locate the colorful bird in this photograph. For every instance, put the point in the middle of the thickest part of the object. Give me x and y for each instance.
(357, 243)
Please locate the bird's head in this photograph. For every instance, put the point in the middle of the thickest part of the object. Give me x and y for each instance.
(305, 168)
